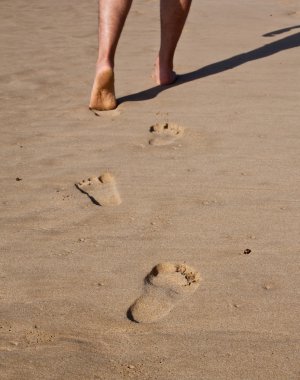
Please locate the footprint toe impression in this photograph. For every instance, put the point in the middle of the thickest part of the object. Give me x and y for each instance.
(165, 286)
(165, 133)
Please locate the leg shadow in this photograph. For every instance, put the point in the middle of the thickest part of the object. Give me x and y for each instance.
(286, 43)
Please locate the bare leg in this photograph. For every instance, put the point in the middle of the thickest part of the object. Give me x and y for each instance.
(173, 14)
(112, 16)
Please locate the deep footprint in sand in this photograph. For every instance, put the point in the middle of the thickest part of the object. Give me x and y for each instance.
(165, 133)
(165, 286)
(102, 190)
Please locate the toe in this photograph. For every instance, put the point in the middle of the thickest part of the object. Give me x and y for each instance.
(106, 178)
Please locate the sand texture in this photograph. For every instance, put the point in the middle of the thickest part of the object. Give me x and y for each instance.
(195, 173)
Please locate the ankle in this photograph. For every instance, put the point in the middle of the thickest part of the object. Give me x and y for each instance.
(104, 64)
(165, 61)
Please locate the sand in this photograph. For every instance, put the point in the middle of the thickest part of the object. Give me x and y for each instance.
(70, 269)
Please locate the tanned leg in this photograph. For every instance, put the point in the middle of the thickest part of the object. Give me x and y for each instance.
(112, 16)
(173, 14)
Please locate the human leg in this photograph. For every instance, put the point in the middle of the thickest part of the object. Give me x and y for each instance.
(173, 14)
(112, 16)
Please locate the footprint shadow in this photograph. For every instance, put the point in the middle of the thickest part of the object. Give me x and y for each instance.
(130, 316)
(93, 200)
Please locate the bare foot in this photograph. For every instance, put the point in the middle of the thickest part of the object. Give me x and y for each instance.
(103, 92)
(163, 74)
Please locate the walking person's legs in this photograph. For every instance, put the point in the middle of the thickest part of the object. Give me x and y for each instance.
(112, 16)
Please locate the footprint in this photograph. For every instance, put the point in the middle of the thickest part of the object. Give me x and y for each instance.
(165, 285)
(165, 133)
(102, 190)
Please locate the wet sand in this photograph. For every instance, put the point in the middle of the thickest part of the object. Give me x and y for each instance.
(226, 179)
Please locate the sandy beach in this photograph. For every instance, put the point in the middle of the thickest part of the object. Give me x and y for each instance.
(204, 173)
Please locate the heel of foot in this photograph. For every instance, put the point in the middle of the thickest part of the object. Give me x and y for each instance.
(103, 92)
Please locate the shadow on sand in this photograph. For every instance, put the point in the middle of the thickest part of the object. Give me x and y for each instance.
(227, 64)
